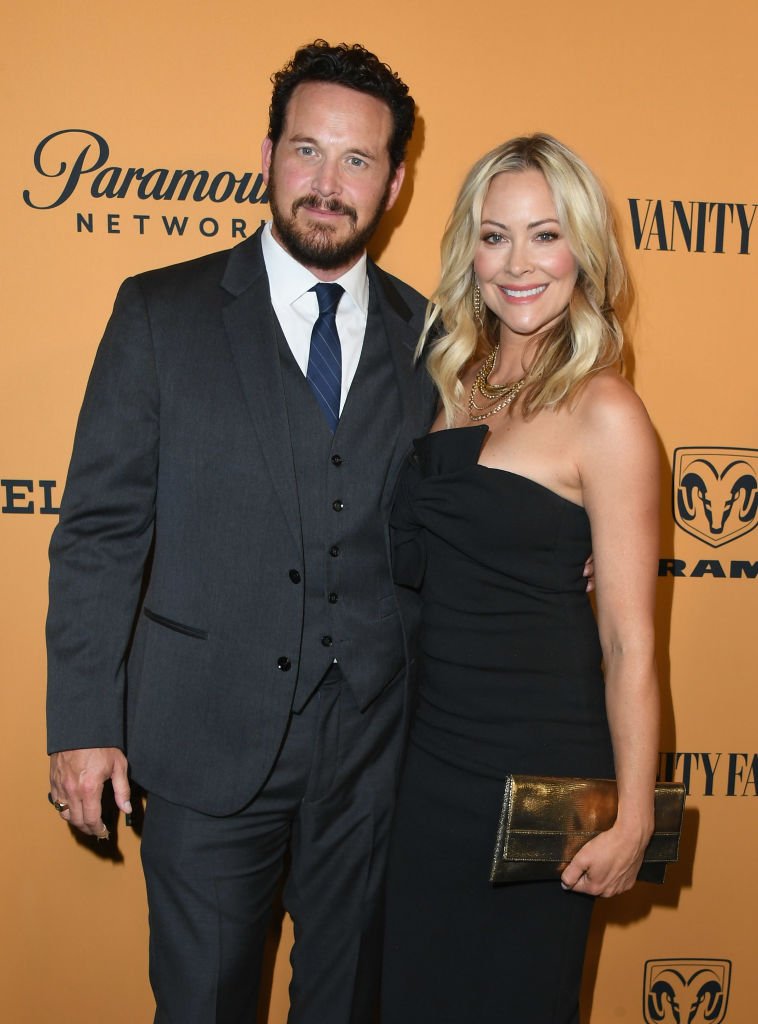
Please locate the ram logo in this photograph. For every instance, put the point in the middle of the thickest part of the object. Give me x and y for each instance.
(715, 492)
(686, 991)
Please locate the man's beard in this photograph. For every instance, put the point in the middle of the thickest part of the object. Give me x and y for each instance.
(316, 246)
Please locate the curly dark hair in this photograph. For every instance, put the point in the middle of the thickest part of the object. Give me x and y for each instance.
(355, 67)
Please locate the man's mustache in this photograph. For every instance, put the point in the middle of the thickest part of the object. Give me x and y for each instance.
(333, 205)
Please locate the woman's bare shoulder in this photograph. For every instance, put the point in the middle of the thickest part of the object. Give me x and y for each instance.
(608, 401)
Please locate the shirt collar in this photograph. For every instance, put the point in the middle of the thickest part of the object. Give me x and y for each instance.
(289, 280)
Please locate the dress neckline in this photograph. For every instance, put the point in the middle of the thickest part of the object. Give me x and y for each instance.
(481, 431)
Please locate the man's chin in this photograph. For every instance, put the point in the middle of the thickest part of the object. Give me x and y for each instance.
(315, 232)
(319, 245)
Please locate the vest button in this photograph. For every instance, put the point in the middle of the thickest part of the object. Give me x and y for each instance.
(334, 550)
(336, 460)
(284, 664)
(295, 575)
(337, 505)
(332, 598)
(327, 641)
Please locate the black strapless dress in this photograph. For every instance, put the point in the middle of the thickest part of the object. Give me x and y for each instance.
(509, 681)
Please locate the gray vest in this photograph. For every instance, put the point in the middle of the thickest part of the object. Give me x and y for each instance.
(350, 613)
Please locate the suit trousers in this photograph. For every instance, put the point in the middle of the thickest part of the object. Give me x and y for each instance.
(211, 881)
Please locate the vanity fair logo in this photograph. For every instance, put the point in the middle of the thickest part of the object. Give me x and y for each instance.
(714, 498)
(711, 773)
(677, 225)
(686, 991)
(74, 164)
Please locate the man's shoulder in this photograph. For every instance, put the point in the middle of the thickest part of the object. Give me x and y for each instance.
(196, 275)
(395, 289)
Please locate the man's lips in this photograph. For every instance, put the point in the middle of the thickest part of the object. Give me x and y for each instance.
(324, 208)
(323, 211)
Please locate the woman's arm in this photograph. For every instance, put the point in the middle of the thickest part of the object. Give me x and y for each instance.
(618, 465)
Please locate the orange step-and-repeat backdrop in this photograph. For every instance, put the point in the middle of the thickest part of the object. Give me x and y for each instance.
(660, 99)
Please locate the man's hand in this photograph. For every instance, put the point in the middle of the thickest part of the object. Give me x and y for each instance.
(589, 573)
(76, 780)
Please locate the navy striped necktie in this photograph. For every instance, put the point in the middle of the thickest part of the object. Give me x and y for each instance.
(325, 357)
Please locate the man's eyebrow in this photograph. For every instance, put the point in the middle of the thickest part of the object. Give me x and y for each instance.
(309, 140)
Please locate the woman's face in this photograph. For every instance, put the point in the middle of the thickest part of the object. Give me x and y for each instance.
(523, 263)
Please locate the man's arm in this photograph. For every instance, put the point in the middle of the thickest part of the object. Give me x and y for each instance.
(97, 558)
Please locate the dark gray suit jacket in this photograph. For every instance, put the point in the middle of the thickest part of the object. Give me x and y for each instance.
(172, 612)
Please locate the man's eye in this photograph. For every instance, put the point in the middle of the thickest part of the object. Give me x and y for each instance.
(356, 161)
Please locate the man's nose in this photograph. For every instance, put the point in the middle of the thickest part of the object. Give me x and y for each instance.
(326, 180)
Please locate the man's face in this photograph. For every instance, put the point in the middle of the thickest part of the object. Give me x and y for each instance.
(328, 177)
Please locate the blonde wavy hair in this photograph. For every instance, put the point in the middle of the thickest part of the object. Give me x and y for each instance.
(587, 338)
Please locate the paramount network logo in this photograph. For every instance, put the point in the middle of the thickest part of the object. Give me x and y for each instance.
(715, 492)
(78, 160)
(75, 164)
(686, 991)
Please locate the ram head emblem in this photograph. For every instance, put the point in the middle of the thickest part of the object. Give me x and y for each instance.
(686, 992)
(716, 493)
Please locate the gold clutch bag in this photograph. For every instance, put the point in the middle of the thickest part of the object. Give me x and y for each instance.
(544, 821)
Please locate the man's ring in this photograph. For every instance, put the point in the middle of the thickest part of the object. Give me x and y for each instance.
(57, 804)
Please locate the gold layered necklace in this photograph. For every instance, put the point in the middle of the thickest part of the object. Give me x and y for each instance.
(495, 396)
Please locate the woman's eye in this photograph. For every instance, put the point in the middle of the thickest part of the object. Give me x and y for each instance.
(547, 236)
(492, 238)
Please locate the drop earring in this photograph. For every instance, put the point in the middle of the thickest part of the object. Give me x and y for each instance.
(478, 305)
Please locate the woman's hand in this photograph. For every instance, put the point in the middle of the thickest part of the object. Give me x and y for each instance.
(608, 864)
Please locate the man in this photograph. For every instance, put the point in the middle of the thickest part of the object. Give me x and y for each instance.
(222, 610)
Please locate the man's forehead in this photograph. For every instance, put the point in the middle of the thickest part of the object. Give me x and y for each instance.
(327, 107)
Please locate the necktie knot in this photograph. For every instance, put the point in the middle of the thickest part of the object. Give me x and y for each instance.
(328, 295)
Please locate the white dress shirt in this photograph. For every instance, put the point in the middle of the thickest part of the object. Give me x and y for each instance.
(296, 306)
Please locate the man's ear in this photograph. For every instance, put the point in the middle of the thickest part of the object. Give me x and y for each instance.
(267, 153)
(396, 182)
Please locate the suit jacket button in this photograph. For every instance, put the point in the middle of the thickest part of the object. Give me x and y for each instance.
(284, 664)
(334, 551)
(295, 576)
(337, 505)
(327, 641)
(336, 460)
(332, 598)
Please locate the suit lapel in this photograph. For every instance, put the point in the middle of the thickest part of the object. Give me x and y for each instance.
(402, 331)
(251, 325)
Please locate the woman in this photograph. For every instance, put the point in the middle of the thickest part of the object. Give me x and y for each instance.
(541, 452)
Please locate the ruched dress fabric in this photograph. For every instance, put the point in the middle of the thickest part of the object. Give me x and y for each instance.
(509, 667)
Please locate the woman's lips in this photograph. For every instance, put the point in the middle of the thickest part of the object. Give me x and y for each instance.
(522, 294)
